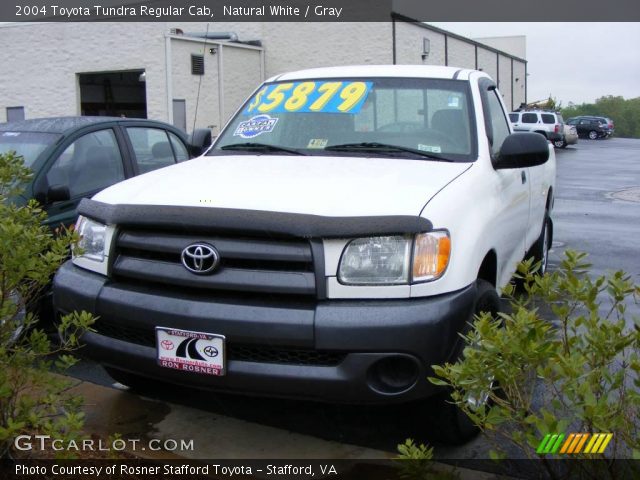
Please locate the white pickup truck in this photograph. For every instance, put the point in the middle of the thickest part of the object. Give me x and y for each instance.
(345, 226)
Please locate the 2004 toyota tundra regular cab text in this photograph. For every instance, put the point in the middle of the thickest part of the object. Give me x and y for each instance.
(344, 227)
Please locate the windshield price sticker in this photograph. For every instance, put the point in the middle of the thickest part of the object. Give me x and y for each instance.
(310, 97)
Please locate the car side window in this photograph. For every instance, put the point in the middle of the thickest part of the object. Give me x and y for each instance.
(548, 118)
(529, 118)
(179, 148)
(513, 117)
(152, 148)
(90, 163)
(499, 122)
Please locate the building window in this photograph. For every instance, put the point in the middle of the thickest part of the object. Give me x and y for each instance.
(15, 114)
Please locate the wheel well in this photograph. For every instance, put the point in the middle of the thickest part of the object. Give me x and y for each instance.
(489, 268)
(550, 199)
(542, 132)
(549, 206)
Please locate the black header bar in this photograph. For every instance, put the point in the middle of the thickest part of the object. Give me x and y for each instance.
(316, 10)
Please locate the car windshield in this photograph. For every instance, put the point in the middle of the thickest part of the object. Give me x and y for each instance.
(26, 144)
(393, 117)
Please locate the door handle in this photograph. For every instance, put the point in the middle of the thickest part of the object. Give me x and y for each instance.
(523, 175)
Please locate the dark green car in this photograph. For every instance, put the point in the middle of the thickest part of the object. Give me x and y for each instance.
(76, 157)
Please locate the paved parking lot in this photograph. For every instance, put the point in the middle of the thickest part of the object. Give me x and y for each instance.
(597, 211)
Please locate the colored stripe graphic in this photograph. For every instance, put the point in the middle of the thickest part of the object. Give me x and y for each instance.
(567, 444)
(543, 443)
(593, 440)
(556, 446)
(581, 443)
(553, 443)
(599, 443)
(550, 443)
(605, 442)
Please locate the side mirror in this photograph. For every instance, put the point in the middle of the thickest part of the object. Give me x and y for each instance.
(199, 141)
(58, 193)
(522, 150)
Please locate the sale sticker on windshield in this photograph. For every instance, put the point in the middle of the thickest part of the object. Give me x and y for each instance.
(310, 97)
(255, 126)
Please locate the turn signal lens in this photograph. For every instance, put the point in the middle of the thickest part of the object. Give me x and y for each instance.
(431, 254)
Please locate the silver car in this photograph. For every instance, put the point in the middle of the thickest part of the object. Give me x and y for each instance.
(569, 137)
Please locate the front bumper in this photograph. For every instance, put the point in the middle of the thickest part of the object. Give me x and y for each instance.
(365, 339)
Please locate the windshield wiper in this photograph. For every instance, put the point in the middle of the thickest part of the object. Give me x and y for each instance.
(384, 147)
(261, 147)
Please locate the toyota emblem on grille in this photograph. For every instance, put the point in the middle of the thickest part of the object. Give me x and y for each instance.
(200, 258)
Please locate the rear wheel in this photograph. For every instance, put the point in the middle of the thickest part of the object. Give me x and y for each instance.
(593, 135)
(560, 143)
(453, 425)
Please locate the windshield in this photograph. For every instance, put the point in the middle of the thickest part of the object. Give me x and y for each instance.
(26, 144)
(392, 117)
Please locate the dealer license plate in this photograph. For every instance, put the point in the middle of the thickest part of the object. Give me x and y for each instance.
(195, 352)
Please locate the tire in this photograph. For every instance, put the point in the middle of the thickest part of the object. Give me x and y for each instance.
(560, 143)
(593, 135)
(540, 249)
(134, 382)
(454, 427)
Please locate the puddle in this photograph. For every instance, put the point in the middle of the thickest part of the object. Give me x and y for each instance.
(116, 411)
(631, 194)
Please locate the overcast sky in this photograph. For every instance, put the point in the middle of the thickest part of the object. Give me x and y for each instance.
(576, 62)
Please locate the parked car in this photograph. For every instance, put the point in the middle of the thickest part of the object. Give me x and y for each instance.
(569, 137)
(75, 157)
(345, 227)
(591, 127)
(547, 123)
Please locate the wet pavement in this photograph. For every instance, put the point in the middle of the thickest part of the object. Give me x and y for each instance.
(597, 210)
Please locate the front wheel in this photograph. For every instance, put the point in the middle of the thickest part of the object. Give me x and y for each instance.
(540, 249)
(453, 425)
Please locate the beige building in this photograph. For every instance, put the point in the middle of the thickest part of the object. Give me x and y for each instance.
(170, 72)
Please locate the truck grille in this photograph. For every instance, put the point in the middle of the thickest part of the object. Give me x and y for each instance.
(235, 351)
(247, 264)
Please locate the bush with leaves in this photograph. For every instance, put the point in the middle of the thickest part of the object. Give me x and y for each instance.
(415, 462)
(578, 372)
(32, 399)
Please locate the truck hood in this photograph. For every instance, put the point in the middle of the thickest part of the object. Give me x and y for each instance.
(317, 185)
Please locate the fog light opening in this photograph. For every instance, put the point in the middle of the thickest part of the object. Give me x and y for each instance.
(393, 375)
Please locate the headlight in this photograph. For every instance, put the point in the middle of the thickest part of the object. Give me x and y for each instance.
(92, 238)
(431, 254)
(376, 260)
(388, 260)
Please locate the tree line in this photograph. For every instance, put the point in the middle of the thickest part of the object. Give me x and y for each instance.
(624, 113)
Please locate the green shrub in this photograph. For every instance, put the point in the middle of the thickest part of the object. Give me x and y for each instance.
(578, 372)
(32, 399)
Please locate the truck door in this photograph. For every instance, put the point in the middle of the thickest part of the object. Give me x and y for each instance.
(512, 185)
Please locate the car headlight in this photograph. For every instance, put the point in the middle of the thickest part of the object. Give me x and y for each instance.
(395, 260)
(92, 240)
(376, 260)
(431, 252)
